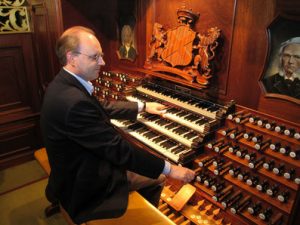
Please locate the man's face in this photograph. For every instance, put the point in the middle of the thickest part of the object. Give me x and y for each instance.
(127, 36)
(291, 59)
(89, 57)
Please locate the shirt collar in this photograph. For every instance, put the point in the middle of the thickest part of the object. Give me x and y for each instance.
(86, 84)
(294, 75)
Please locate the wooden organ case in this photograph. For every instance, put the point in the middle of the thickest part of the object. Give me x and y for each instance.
(247, 162)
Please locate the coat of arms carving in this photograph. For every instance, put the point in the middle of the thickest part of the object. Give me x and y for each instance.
(183, 51)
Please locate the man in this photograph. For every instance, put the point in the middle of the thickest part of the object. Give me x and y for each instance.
(92, 167)
(287, 82)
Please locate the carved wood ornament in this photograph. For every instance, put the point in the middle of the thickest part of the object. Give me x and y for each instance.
(182, 51)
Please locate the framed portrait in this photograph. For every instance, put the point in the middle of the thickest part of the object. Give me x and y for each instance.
(126, 29)
(281, 74)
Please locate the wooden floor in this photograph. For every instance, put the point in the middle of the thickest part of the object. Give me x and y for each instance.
(22, 199)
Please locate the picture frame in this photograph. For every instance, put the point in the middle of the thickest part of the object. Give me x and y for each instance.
(127, 47)
(281, 75)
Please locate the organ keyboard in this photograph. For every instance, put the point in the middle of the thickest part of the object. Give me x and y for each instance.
(180, 133)
(199, 106)
(169, 148)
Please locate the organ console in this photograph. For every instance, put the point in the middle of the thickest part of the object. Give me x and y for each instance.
(247, 163)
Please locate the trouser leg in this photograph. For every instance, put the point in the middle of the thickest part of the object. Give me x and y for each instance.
(149, 188)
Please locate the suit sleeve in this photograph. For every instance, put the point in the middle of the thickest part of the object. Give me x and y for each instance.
(90, 128)
(121, 109)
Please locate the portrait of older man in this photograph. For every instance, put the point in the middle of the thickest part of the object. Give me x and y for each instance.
(287, 80)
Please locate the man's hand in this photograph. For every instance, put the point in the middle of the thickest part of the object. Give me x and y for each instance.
(155, 108)
(181, 173)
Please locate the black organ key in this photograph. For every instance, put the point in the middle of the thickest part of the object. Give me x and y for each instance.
(182, 113)
(159, 139)
(178, 149)
(162, 122)
(213, 108)
(169, 144)
(127, 122)
(171, 126)
(173, 110)
(190, 135)
(150, 135)
(181, 130)
(201, 121)
(192, 117)
(136, 126)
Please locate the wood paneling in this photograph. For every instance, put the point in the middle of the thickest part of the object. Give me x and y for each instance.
(19, 86)
(20, 99)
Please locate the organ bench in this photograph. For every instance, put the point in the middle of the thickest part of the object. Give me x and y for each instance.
(138, 208)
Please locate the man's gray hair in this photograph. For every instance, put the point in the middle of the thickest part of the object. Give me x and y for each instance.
(294, 40)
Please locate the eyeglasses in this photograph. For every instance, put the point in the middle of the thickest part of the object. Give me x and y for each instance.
(92, 57)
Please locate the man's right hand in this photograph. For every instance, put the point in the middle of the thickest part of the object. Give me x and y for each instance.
(182, 173)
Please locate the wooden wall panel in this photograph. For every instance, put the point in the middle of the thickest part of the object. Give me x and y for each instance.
(20, 99)
(46, 63)
(18, 73)
(249, 50)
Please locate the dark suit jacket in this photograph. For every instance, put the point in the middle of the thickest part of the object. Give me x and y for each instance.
(277, 84)
(131, 53)
(88, 157)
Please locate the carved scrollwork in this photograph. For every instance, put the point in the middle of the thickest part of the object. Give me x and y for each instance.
(15, 3)
(13, 17)
(182, 51)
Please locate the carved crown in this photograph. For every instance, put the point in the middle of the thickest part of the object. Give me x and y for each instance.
(188, 14)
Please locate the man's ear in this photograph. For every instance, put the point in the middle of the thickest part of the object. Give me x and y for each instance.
(70, 58)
